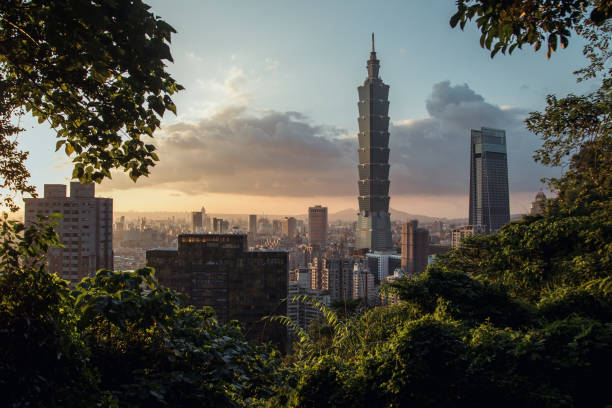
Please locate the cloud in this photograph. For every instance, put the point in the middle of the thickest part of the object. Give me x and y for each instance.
(431, 155)
(274, 154)
(284, 154)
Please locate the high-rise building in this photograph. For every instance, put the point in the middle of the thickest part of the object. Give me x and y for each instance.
(289, 227)
(364, 284)
(253, 223)
(374, 222)
(196, 222)
(277, 228)
(217, 225)
(217, 270)
(317, 225)
(415, 247)
(205, 221)
(337, 277)
(537, 207)
(86, 229)
(489, 197)
(252, 234)
(382, 264)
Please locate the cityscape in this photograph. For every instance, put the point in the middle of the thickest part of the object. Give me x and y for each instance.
(299, 204)
(347, 259)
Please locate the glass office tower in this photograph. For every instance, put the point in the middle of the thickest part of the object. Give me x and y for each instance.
(374, 223)
(489, 197)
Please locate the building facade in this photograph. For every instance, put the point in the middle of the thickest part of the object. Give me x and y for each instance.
(317, 225)
(415, 248)
(290, 227)
(458, 234)
(302, 312)
(382, 264)
(373, 229)
(217, 270)
(489, 196)
(85, 229)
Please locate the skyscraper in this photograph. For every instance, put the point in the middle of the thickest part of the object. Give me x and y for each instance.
(415, 242)
(489, 198)
(317, 225)
(86, 229)
(196, 222)
(374, 222)
(289, 227)
(252, 235)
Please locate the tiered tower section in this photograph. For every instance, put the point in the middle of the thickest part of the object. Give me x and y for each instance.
(374, 223)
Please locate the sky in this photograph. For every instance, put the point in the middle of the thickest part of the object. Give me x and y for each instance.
(268, 120)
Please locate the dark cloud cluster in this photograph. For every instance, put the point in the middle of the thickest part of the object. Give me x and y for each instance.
(284, 154)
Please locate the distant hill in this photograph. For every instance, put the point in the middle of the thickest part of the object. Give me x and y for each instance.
(350, 214)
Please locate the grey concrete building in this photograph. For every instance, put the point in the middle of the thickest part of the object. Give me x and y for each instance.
(373, 229)
(489, 196)
(85, 229)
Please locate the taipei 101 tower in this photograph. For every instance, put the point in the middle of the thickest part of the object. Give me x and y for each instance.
(374, 222)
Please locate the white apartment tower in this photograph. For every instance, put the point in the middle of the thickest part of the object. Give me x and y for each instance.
(85, 229)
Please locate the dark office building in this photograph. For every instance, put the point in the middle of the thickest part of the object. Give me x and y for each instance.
(415, 247)
(374, 223)
(489, 198)
(217, 270)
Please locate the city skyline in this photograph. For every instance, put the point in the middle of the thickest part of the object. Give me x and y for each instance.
(433, 107)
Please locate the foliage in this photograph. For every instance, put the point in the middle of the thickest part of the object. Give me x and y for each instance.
(13, 172)
(117, 339)
(94, 70)
(506, 25)
(43, 359)
(150, 350)
(464, 298)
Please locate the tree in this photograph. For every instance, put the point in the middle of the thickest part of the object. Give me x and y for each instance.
(150, 350)
(43, 359)
(506, 25)
(93, 70)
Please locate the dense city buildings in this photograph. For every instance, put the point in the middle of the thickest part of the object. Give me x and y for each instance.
(374, 223)
(317, 225)
(217, 270)
(85, 229)
(415, 248)
(537, 206)
(290, 227)
(489, 197)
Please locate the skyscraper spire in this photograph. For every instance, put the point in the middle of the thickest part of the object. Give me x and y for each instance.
(373, 63)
